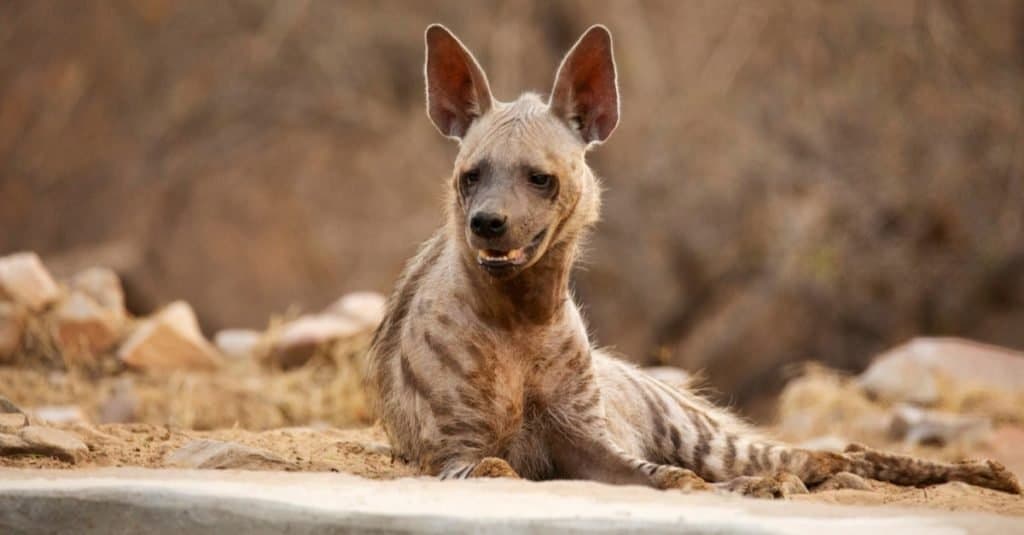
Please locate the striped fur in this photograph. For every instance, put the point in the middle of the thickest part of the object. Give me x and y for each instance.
(470, 371)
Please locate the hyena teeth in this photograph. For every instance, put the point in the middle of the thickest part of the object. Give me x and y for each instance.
(514, 255)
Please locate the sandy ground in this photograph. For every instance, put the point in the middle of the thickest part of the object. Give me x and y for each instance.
(315, 418)
(364, 452)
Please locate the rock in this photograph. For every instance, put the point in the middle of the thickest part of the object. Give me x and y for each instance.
(12, 325)
(7, 405)
(238, 343)
(669, 375)
(59, 414)
(918, 372)
(300, 339)
(24, 280)
(915, 425)
(53, 442)
(12, 422)
(180, 315)
(365, 308)
(84, 329)
(94, 438)
(170, 340)
(121, 403)
(12, 419)
(215, 454)
(103, 286)
(13, 445)
(176, 502)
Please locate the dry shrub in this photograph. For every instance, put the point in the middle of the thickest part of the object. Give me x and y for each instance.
(326, 390)
(822, 402)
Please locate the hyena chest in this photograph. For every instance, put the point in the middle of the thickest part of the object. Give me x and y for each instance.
(521, 415)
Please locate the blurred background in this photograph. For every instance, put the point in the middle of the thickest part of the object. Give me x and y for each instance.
(790, 181)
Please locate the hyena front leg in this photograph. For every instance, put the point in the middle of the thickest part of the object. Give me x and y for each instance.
(583, 448)
(591, 455)
(491, 467)
(462, 452)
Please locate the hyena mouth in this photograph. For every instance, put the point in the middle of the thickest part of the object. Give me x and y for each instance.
(499, 262)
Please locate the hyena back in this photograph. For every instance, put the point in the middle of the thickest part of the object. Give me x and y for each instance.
(483, 365)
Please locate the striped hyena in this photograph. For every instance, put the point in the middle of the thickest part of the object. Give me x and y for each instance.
(483, 365)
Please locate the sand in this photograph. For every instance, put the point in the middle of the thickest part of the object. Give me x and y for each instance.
(364, 452)
(315, 418)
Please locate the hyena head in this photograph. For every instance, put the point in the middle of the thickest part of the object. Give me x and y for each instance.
(521, 186)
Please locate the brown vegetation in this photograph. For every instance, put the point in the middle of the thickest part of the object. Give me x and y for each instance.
(790, 180)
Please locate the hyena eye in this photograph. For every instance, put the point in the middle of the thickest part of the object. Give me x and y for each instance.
(470, 178)
(541, 180)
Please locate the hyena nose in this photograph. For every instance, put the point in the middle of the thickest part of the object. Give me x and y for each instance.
(488, 225)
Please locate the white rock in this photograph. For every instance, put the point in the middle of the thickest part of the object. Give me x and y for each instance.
(84, 329)
(54, 442)
(103, 286)
(238, 343)
(366, 308)
(170, 340)
(917, 372)
(12, 422)
(59, 414)
(215, 454)
(25, 280)
(300, 339)
(180, 315)
(120, 500)
(915, 425)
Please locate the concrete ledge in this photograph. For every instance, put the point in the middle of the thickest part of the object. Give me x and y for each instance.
(131, 500)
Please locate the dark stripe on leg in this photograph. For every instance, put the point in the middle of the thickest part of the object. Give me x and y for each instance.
(442, 354)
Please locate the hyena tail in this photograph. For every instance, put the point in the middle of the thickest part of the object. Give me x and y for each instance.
(719, 447)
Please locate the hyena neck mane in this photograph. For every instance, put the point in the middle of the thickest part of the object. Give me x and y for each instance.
(535, 297)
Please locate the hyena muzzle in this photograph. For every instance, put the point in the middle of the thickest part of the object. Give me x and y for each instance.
(483, 365)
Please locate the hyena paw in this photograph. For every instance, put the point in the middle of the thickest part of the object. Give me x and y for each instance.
(493, 467)
(780, 485)
(907, 470)
(988, 474)
(673, 477)
(486, 467)
(844, 480)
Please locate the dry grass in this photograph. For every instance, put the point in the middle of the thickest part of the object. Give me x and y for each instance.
(825, 403)
(326, 390)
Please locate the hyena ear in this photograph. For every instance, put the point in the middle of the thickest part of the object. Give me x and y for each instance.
(457, 90)
(586, 94)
